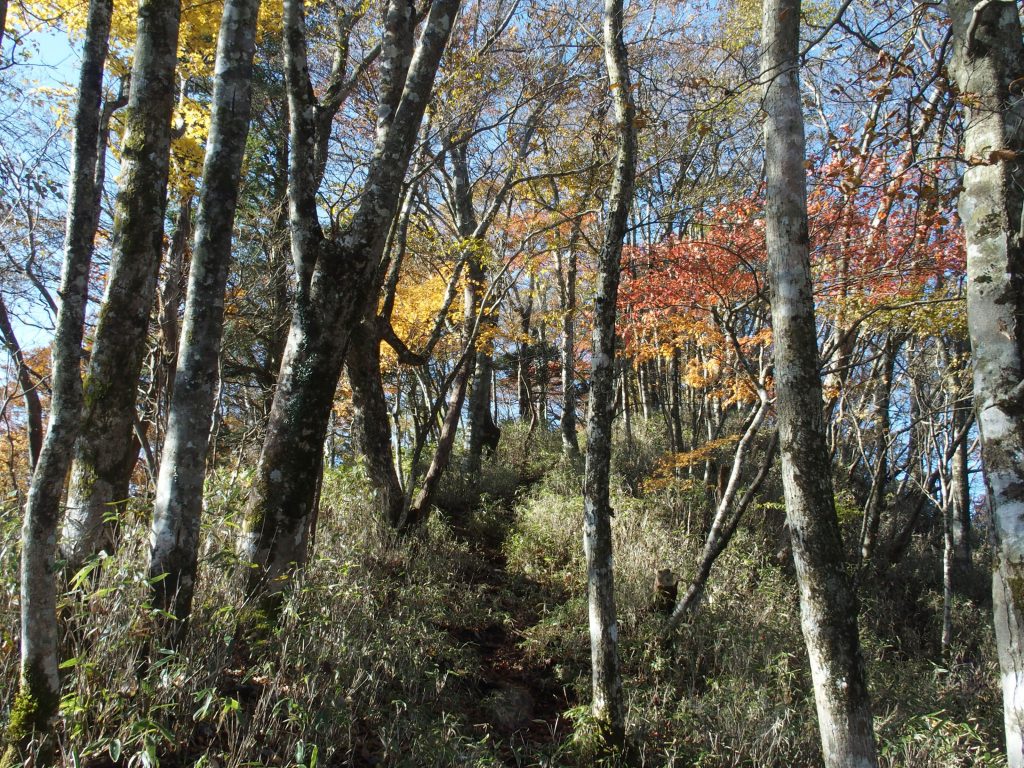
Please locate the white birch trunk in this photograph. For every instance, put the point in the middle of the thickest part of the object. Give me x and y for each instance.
(39, 694)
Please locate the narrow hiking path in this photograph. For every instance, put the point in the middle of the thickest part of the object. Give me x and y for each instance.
(521, 702)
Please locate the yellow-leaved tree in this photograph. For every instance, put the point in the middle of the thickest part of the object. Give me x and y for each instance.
(197, 46)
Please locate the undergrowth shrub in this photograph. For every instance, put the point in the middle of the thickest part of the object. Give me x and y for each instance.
(378, 657)
(733, 686)
(635, 455)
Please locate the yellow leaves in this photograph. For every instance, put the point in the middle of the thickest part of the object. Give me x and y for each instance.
(197, 45)
(741, 23)
(419, 298)
(192, 120)
(763, 338)
(667, 471)
(486, 337)
(700, 374)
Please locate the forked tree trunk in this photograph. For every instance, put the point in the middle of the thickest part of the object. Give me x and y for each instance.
(988, 63)
(100, 473)
(729, 512)
(420, 507)
(174, 538)
(336, 280)
(38, 698)
(608, 704)
(828, 605)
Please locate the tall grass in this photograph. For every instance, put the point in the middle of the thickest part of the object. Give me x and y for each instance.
(377, 659)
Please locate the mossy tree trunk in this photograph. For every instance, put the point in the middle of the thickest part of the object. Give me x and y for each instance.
(988, 63)
(174, 537)
(371, 423)
(337, 277)
(99, 476)
(607, 705)
(828, 605)
(39, 695)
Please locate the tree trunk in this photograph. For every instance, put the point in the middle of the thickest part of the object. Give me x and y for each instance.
(481, 430)
(169, 304)
(98, 474)
(988, 61)
(174, 538)
(960, 494)
(675, 395)
(372, 424)
(828, 605)
(947, 571)
(3, 20)
(608, 705)
(337, 279)
(38, 698)
(420, 508)
(570, 442)
(880, 477)
(960, 488)
(728, 515)
(27, 384)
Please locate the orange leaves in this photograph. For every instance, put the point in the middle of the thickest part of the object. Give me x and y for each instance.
(667, 472)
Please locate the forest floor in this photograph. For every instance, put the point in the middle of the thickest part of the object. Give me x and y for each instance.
(520, 701)
(466, 644)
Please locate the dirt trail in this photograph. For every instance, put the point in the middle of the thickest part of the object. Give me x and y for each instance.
(520, 699)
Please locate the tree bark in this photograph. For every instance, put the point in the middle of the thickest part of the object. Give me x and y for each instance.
(880, 477)
(481, 429)
(99, 474)
(27, 384)
(956, 492)
(608, 705)
(828, 605)
(169, 303)
(38, 697)
(3, 20)
(960, 493)
(567, 280)
(174, 538)
(337, 278)
(988, 62)
(420, 508)
(372, 425)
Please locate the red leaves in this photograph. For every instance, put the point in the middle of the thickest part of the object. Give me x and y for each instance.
(881, 234)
